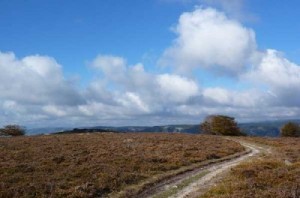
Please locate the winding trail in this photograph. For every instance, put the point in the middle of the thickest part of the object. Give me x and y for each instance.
(195, 183)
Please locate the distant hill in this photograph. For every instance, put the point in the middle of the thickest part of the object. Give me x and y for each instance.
(124, 129)
(45, 130)
(90, 130)
(268, 128)
(154, 129)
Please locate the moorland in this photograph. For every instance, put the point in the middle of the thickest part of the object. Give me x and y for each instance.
(98, 164)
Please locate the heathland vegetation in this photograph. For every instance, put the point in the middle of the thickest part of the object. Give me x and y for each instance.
(86, 163)
(93, 165)
(273, 175)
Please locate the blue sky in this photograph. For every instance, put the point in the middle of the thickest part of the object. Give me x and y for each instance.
(75, 32)
(97, 52)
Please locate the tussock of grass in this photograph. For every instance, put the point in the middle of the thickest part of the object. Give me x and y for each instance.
(94, 165)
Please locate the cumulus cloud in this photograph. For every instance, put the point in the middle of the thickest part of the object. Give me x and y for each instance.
(276, 71)
(208, 38)
(141, 90)
(54, 110)
(140, 97)
(35, 80)
(133, 102)
(33, 89)
(221, 96)
(112, 67)
(176, 88)
(279, 76)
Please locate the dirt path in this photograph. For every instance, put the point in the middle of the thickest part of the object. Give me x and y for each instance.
(197, 182)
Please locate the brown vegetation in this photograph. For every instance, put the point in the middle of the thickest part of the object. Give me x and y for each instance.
(275, 175)
(93, 165)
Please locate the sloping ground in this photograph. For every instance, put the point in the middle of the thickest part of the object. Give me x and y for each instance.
(175, 183)
(97, 165)
(197, 182)
(273, 175)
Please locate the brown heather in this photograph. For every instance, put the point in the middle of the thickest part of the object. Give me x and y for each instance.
(275, 175)
(93, 165)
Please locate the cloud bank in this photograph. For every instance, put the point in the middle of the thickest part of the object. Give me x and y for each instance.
(35, 92)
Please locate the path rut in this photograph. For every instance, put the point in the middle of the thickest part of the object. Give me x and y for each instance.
(197, 182)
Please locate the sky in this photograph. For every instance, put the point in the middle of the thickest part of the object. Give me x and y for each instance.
(156, 62)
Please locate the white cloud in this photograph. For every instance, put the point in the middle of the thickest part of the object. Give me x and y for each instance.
(218, 95)
(115, 70)
(276, 71)
(54, 110)
(143, 98)
(176, 88)
(222, 96)
(43, 66)
(208, 38)
(9, 105)
(35, 80)
(279, 76)
(133, 102)
(112, 67)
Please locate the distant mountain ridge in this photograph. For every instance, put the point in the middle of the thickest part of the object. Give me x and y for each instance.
(156, 129)
(267, 128)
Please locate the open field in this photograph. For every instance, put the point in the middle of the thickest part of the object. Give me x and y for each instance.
(93, 165)
(272, 175)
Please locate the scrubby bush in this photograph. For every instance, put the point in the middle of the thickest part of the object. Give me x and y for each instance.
(290, 129)
(220, 125)
(12, 130)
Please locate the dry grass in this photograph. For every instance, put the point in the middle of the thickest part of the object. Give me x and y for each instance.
(93, 165)
(275, 176)
(287, 148)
